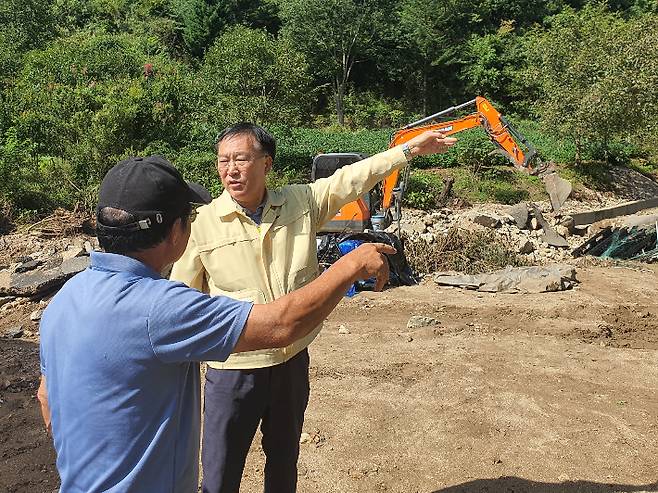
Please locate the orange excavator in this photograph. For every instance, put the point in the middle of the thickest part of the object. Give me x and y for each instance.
(377, 209)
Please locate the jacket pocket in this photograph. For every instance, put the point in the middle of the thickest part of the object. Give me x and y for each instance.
(303, 276)
(254, 295)
(231, 265)
(238, 239)
(294, 221)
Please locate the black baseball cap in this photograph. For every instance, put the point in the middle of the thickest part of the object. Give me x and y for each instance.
(150, 189)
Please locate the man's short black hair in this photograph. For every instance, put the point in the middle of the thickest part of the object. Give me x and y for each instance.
(262, 136)
(124, 242)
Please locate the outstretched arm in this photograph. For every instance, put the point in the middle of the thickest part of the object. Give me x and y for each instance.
(293, 316)
(185, 325)
(328, 195)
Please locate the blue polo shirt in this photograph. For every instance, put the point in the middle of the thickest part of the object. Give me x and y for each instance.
(119, 349)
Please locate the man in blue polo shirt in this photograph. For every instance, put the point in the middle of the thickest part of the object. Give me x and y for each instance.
(120, 344)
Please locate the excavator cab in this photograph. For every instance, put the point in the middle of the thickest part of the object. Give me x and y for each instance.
(364, 213)
(361, 221)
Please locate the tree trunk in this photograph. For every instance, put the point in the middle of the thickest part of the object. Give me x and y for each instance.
(340, 110)
(425, 112)
(442, 200)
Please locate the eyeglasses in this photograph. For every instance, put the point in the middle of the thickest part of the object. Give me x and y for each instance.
(192, 215)
(241, 162)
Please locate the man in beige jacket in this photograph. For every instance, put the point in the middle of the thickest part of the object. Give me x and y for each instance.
(257, 244)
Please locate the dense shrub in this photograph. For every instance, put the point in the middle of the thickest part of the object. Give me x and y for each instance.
(199, 165)
(88, 100)
(368, 110)
(422, 190)
(30, 183)
(298, 146)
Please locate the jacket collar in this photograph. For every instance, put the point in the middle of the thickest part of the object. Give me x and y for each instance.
(224, 205)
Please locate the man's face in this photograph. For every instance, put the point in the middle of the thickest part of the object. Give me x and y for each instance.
(242, 167)
(179, 236)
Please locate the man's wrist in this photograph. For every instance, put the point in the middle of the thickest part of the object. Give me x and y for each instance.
(352, 265)
(408, 153)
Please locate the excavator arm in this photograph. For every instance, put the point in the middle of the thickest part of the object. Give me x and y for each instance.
(500, 132)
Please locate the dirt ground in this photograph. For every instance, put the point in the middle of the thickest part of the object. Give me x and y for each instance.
(27, 457)
(508, 393)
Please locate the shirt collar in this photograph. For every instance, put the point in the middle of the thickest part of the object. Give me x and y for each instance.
(113, 262)
(259, 210)
(225, 205)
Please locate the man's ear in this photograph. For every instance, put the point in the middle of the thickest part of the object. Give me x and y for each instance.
(268, 163)
(177, 230)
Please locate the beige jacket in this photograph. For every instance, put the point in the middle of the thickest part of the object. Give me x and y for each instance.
(228, 254)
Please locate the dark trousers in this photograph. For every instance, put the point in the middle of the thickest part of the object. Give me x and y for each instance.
(235, 402)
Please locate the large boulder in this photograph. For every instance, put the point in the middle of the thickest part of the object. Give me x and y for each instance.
(487, 220)
(36, 282)
(520, 214)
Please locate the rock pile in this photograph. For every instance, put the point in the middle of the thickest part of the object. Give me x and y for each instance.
(43, 271)
(27, 283)
(534, 279)
(531, 230)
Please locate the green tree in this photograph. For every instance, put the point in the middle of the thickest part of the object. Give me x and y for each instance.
(448, 42)
(248, 75)
(202, 21)
(335, 35)
(493, 65)
(429, 44)
(598, 76)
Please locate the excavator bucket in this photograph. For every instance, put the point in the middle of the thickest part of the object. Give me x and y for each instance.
(558, 190)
